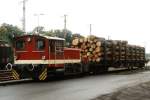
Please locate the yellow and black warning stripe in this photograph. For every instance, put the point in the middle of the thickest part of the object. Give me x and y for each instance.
(43, 75)
(15, 75)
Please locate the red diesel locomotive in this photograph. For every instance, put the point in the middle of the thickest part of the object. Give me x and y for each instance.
(40, 56)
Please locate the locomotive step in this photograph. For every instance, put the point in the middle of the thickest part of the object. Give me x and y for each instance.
(6, 75)
(6, 78)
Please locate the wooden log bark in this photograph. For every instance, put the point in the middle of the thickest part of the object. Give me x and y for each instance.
(90, 47)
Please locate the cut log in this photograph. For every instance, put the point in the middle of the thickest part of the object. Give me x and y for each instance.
(93, 46)
(81, 40)
(98, 60)
(97, 49)
(91, 49)
(88, 53)
(75, 42)
(85, 40)
(98, 43)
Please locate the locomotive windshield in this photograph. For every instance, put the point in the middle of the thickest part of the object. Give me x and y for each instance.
(40, 44)
(20, 44)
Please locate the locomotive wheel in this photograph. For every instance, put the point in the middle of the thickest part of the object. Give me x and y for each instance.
(30, 67)
(37, 71)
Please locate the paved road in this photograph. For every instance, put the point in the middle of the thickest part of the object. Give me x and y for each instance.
(84, 88)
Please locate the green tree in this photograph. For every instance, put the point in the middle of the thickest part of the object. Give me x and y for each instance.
(55, 33)
(39, 29)
(68, 37)
(60, 34)
(7, 32)
(77, 35)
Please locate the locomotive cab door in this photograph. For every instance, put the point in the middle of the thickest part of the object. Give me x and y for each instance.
(56, 51)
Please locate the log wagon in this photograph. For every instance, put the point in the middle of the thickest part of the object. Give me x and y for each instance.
(100, 54)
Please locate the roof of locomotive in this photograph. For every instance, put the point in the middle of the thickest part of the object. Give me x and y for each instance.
(41, 35)
(52, 38)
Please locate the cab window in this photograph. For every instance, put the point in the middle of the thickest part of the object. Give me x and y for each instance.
(56, 46)
(40, 44)
(20, 44)
(59, 45)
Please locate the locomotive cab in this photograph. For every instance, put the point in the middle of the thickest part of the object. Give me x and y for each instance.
(29, 51)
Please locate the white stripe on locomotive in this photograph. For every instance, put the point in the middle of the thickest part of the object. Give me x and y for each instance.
(47, 61)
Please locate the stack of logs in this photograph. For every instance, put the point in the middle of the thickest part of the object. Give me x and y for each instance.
(135, 54)
(115, 51)
(109, 50)
(96, 49)
(92, 48)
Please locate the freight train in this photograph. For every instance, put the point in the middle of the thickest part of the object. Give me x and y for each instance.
(40, 56)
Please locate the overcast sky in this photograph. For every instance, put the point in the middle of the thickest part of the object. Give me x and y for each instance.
(118, 19)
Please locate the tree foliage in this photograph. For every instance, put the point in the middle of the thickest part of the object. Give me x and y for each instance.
(7, 32)
(39, 29)
(60, 34)
(77, 35)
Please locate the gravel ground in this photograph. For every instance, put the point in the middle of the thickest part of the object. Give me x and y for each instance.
(138, 92)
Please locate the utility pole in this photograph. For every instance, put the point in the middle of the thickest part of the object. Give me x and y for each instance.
(90, 29)
(65, 27)
(38, 20)
(24, 16)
